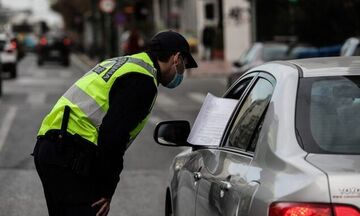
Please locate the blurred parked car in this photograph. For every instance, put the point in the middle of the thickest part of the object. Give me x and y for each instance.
(54, 47)
(262, 52)
(351, 47)
(291, 146)
(30, 42)
(19, 47)
(8, 55)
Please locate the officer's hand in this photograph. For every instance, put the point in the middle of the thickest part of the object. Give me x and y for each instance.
(103, 205)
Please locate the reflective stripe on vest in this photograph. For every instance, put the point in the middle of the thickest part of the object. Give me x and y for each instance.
(88, 98)
(139, 62)
(88, 105)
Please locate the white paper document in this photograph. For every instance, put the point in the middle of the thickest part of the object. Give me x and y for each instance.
(211, 121)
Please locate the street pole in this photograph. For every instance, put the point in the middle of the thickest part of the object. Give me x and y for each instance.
(0, 79)
(292, 4)
(253, 20)
(157, 19)
(108, 27)
(95, 27)
(107, 7)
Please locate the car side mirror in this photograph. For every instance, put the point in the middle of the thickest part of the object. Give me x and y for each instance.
(172, 133)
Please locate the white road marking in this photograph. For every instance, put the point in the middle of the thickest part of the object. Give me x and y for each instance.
(6, 124)
(36, 98)
(196, 96)
(163, 100)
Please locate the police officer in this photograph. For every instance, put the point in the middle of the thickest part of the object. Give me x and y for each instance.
(81, 142)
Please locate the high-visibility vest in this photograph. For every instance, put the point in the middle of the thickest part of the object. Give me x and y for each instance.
(88, 98)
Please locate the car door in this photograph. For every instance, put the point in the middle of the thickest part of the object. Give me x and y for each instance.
(223, 188)
(187, 177)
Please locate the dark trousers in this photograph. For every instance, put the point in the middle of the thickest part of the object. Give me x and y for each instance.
(67, 193)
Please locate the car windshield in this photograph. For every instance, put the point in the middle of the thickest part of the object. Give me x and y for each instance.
(328, 114)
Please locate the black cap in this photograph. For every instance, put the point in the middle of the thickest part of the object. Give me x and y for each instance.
(173, 42)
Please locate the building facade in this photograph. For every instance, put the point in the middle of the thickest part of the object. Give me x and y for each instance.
(231, 20)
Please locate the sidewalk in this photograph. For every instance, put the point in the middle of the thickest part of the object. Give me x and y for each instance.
(213, 68)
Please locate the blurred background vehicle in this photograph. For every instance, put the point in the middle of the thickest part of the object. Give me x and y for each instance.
(54, 46)
(351, 47)
(262, 52)
(20, 48)
(257, 54)
(25, 35)
(8, 55)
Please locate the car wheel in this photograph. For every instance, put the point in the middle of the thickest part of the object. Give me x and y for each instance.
(168, 205)
(13, 71)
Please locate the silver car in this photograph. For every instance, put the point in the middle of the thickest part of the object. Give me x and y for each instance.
(290, 148)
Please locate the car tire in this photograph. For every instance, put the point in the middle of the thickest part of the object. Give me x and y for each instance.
(168, 205)
(13, 71)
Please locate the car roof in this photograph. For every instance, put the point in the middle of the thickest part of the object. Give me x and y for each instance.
(328, 66)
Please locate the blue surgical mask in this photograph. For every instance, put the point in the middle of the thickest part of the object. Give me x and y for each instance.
(177, 78)
(175, 81)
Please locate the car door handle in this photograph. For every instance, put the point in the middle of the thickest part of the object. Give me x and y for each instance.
(197, 176)
(225, 185)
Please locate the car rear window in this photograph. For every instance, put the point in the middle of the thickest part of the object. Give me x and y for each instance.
(328, 114)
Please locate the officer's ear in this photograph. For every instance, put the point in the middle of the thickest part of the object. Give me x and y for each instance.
(176, 59)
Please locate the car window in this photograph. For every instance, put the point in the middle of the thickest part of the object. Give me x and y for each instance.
(240, 87)
(249, 117)
(327, 114)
